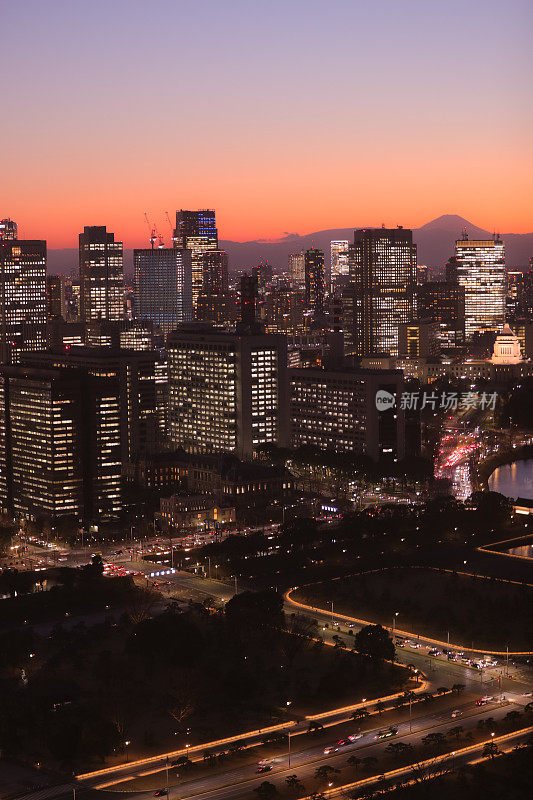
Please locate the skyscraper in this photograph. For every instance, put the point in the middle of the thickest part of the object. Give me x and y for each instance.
(163, 286)
(444, 303)
(339, 257)
(315, 284)
(297, 268)
(248, 299)
(8, 230)
(135, 375)
(60, 437)
(227, 392)
(22, 297)
(196, 231)
(480, 269)
(383, 278)
(101, 275)
(336, 410)
(215, 271)
(55, 297)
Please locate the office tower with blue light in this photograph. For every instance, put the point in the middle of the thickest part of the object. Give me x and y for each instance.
(196, 231)
(163, 286)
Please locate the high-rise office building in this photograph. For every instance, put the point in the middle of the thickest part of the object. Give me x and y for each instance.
(223, 308)
(8, 230)
(55, 297)
(336, 410)
(163, 287)
(383, 282)
(60, 436)
(227, 391)
(215, 271)
(315, 282)
(134, 372)
(480, 269)
(101, 275)
(22, 297)
(196, 231)
(418, 339)
(297, 268)
(444, 303)
(248, 299)
(339, 257)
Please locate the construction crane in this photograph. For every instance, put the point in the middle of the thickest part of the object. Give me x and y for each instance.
(155, 236)
(172, 231)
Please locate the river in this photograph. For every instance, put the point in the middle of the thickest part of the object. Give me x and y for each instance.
(513, 480)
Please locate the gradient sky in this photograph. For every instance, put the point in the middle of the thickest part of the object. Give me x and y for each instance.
(284, 116)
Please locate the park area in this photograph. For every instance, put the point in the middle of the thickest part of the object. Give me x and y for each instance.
(473, 612)
(148, 681)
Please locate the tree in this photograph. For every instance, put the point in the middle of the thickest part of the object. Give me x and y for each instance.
(456, 732)
(457, 688)
(294, 784)
(266, 790)
(374, 641)
(360, 713)
(492, 508)
(256, 611)
(369, 762)
(434, 740)
(325, 772)
(490, 750)
(354, 762)
(399, 750)
(512, 717)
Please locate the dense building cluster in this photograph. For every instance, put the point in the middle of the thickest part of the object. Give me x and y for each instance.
(102, 385)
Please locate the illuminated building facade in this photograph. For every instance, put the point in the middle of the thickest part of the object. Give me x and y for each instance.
(480, 269)
(315, 281)
(297, 268)
(507, 348)
(101, 275)
(134, 373)
(418, 339)
(8, 230)
(22, 297)
(223, 308)
(60, 430)
(137, 334)
(55, 297)
(443, 302)
(163, 286)
(284, 310)
(339, 258)
(335, 410)
(227, 391)
(215, 271)
(383, 281)
(196, 231)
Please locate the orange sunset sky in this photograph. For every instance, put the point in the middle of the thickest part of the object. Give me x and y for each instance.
(284, 117)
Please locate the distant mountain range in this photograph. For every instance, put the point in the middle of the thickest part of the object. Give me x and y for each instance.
(435, 242)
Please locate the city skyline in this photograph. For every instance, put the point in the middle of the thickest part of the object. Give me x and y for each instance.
(386, 126)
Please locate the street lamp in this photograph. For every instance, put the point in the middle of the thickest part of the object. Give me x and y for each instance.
(394, 622)
(126, 745)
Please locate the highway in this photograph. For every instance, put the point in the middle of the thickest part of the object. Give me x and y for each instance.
(236, 780)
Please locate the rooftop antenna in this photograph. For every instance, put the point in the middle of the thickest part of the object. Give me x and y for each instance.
(464, 234)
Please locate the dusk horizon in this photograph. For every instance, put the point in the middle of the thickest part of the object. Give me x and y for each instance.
(266, 418)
